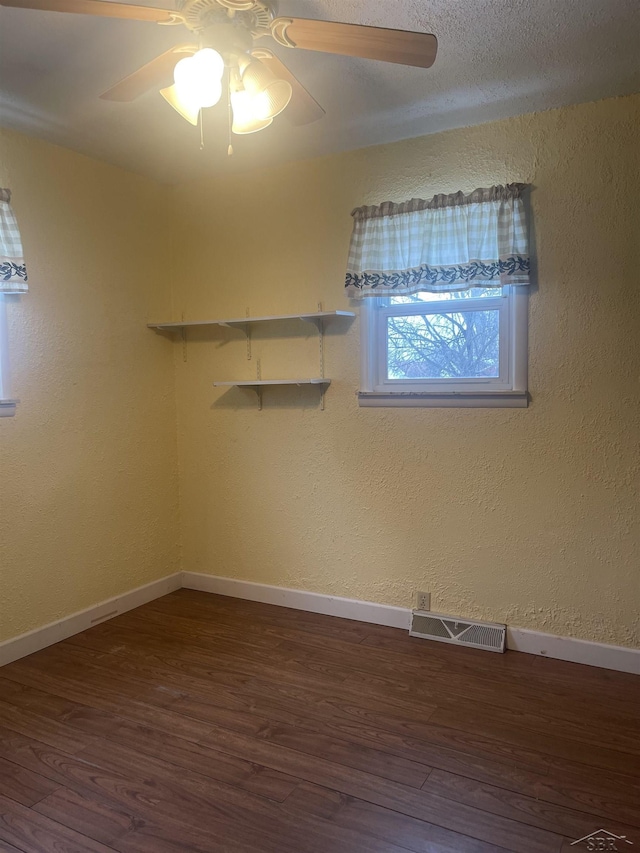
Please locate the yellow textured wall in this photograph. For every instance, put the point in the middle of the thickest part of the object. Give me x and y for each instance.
(524, 516)
(88, 474)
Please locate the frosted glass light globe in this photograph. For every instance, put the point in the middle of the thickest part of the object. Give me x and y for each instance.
(198, 78)
(271, 94)
(248, 114)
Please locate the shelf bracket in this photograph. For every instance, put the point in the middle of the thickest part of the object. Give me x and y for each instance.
(257, 389)
(183, 335)
(244, 327)
(318, 322)
(321, 345)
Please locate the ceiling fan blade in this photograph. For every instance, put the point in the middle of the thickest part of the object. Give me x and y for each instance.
(102, 8)
(303, 107)
(154, 74)
(401, 46)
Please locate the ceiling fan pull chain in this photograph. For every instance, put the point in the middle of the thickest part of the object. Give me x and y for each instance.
(201, 113)
(229, 114)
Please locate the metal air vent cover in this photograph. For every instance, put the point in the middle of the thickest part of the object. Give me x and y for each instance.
(462, 632)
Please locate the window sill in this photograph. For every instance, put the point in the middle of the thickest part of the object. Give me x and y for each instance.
(8, 408)
(445, 399)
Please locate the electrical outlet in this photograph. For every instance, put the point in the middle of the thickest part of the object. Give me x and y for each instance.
(423, 601)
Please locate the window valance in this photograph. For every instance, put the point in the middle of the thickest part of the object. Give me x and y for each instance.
(13, 271)
(451, 242)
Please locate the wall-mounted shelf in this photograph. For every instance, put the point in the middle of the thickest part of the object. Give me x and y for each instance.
(244, 321)
(258, 384)
(244, 324)
(250, 383)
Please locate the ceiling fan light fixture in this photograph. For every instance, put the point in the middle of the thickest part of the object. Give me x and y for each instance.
(188, 111)
(198, 78)
(272, 95)
(248, 114)
(261, 86)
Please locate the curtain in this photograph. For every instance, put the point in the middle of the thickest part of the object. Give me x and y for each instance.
(452, 242)
(13, 272)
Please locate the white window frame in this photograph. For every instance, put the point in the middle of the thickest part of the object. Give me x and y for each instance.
(509, 390)
(7, 403)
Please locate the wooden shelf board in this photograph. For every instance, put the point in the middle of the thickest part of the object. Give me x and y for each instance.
(243, 321)
(254, 383)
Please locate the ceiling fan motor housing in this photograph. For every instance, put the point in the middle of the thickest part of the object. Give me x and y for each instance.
(251, 16)
(227, 40)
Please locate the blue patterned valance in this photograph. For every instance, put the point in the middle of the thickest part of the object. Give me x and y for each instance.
(452, 242)
(13, 271)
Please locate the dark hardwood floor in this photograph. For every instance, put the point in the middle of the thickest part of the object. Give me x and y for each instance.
(203, 723)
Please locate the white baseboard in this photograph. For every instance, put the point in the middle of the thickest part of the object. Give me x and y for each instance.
(312, 602)
(619, 658)
(40, 638)
(518, 639)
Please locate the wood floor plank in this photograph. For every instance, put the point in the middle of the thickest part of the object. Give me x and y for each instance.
(201, 632)
(436, 735)
(418, 804)
(9, 848)
(299, 666)
(577, 749)
(216, 606)
(149, 790)
(88, 815)
(172, 729)
(48, 731)
(616, 689)
(246, 815)
(453, 688)
(415, 835)
(175, 750)
(548, 743)
(64, 684)
(22, 785)
(173, 837)
(496, 800)
(393, 766)
(588, 794)
(34, 833)
(349, 754)
(399, 713)
(320, 837)
(614, 799)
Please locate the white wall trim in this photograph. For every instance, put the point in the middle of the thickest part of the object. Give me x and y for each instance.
(518, 639)
(298, 599)
(40, 638)
(618, 658)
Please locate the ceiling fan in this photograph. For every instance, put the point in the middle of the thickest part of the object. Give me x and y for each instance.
(224, 55)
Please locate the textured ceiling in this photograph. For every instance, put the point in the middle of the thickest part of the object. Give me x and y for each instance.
(497, 58)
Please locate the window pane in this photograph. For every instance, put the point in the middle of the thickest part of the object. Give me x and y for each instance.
(424, 296)
(459, 345)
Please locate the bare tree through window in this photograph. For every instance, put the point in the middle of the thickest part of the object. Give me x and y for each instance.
(444, 344)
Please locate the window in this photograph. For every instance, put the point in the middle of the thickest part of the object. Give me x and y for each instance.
(7, 404)
(13, 279)
(464, 348)
(444, 289)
